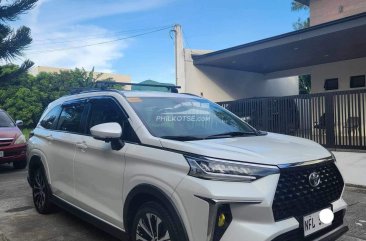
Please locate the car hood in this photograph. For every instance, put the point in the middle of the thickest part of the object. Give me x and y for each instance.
(272, 149)
(9, 132)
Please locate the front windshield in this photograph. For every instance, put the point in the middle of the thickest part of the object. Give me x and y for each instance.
(5, 120)
(187, 118)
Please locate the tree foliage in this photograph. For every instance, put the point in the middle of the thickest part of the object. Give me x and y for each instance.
(13, 42)
(300, 23)
(296, 6)
(305, 84)
(26, 96)
(304, 80)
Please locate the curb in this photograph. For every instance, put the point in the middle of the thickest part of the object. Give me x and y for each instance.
(355, 186)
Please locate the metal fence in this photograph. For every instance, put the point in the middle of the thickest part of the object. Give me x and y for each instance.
(333, 119)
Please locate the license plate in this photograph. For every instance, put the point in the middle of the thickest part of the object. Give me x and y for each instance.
(1, 153)
(313, 224)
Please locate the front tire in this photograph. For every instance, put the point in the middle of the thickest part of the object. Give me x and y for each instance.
(20, 164)
(41, 192)
(152, 222)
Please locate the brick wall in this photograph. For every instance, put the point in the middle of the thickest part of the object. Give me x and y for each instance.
(328, 10)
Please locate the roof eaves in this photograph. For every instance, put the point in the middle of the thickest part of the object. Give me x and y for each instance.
(293, 33)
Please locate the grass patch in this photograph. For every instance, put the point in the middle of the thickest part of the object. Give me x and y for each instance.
(26, 132)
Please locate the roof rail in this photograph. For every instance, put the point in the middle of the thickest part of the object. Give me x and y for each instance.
(108, 85)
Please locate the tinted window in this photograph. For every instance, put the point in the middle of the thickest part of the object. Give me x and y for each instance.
(357, 81)
(50, 120)
(70, 118)
(331, 84)
(5, 120)
(104, 111)
(107, 110)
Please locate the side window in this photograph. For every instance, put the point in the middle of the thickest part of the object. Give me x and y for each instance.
(107, 110)
(104, 111)
(70, 118)
(50, 120)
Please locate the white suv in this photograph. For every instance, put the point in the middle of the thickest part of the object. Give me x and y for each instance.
(166, 166)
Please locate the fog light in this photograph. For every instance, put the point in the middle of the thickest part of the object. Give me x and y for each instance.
(222, 220)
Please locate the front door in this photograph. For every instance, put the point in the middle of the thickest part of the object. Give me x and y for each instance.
(99, 169)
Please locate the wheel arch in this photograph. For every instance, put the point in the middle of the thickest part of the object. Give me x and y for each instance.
(37, 159)
(144, 193)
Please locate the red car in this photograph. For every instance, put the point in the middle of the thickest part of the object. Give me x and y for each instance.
(12, 142)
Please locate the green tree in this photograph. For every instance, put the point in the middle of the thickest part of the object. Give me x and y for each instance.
(25, 97)
(300, 23)
(13, 42)
(304, 80)
(305, 84)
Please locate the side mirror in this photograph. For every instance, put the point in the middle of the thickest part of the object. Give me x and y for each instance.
(108, 132)
(19, 123)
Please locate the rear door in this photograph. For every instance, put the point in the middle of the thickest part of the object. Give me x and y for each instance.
(99, 169)
(69, 131)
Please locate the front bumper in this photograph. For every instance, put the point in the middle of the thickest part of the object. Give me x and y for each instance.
(286, 230)
(252, 216)
(13, 153)
(334, 234)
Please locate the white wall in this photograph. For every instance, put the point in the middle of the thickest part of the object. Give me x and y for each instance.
(219, 84)
(342, 70)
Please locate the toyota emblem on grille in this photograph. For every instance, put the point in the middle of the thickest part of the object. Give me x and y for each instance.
(314, 179)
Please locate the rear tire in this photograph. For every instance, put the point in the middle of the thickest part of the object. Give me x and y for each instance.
(20, 164)
(153, 222)
(41, 192)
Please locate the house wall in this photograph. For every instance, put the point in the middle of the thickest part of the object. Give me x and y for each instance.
(219, 84)
(115, 77)
(322, 11)
(342, 70)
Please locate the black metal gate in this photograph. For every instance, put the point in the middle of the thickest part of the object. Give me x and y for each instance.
(333, 119)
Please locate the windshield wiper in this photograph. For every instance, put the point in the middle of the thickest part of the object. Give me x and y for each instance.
(232, 134)
(182, 138)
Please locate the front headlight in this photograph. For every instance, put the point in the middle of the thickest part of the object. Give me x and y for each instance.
(20, 140)
(221, 170)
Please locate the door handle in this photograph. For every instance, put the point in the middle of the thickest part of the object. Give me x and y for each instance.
(49, 138)
(82, 146)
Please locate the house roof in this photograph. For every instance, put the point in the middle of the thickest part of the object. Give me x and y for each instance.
(338, 40)
(305, 2)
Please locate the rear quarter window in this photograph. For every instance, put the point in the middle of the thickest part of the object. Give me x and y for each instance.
(50, 120)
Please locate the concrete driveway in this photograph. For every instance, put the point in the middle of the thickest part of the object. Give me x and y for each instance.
(19, 220)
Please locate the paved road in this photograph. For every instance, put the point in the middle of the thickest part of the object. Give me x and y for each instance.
(19, 221)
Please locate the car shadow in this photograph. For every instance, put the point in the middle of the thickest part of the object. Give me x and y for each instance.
(7, 168)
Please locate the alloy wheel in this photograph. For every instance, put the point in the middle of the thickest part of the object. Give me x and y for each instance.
(39, 190)
(151, 228)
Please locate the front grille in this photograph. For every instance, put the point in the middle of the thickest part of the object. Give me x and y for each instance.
(13, 153)
(295, 197)
(6, 141)
(298, 234)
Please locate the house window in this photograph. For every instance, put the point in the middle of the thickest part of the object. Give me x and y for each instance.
(331, 84)
(357, 81)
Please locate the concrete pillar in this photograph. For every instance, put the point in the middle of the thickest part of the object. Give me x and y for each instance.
(179, 58)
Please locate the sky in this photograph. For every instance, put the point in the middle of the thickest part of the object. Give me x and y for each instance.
(102, 33)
